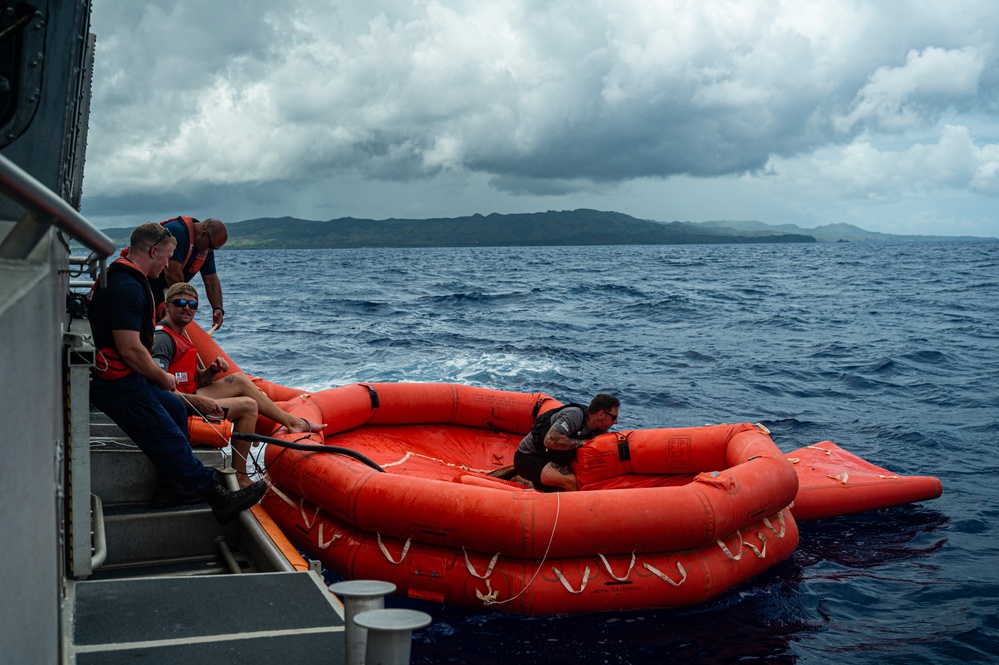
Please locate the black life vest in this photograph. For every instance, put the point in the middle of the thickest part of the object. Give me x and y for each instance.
(543, 423)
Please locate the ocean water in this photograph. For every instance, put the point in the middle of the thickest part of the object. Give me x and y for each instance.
(890, 350)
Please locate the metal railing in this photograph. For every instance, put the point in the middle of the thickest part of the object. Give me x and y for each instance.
(44, 209)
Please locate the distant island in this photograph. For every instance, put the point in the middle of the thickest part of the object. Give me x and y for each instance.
(567, 227)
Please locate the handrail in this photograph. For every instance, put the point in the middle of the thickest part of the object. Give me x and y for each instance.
(19, 185)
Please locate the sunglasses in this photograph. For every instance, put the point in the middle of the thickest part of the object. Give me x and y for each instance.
(166, 234)
(612, 415)
(181, 302)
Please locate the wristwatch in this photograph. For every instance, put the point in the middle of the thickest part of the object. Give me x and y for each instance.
(218, 309)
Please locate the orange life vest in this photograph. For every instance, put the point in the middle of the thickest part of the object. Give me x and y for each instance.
(109, 365)
(184, 364)
(193, 260)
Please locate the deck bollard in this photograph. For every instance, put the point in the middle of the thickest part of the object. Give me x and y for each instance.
(390, 634)
(359, 596)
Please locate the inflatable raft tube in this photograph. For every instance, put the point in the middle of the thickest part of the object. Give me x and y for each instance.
(594, 582)
(438, 442)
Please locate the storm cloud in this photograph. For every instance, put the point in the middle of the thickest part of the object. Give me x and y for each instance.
(656, 109)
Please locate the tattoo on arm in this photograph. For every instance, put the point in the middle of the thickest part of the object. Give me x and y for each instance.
(561, 469)
(556, 440)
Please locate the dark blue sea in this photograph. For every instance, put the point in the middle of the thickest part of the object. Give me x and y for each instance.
(890, 350)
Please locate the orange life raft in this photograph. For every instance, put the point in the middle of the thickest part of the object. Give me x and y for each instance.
(439, 526)
(667, 517)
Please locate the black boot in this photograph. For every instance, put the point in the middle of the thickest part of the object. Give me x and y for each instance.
(226, 504)
(170, 493)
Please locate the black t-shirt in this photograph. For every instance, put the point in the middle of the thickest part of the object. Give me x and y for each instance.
(123, 304)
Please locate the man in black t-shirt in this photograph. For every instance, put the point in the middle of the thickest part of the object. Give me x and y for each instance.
(133, 390)
(545, 458)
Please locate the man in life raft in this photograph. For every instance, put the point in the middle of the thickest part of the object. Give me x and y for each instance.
(544, 456)
(197, 385)
(134, 391)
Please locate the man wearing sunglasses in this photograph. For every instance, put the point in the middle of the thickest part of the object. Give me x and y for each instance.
(195, 253)
(198, 386)
(546, 454)
(133, 390)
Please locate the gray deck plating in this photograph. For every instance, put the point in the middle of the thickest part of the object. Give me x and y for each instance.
(260, 618)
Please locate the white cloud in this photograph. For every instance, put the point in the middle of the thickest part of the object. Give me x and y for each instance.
(539, 98)
(896, 97)
(861, 170)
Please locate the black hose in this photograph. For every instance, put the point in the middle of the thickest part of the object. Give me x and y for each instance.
(311, 448)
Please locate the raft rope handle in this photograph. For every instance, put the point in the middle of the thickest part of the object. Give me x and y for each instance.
(728, 552)
(611, 572)
(763, 539)
(679, 566)
(565, 582)
(405, 550)
(319, 539)
(489, 569)
(490, 599)
(824, 450)
(762, 428)
(887, 477)
(783, 524)
(793, 460)
(843, 478)
(305, 518)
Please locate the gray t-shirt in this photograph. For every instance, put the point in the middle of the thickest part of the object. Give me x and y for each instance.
(569, 421)
(163, 350)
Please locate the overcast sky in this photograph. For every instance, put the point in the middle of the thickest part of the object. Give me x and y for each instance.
(882, 114)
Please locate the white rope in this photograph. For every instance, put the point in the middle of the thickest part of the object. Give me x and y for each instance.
(207, 420)
(611, 572)
(398, 462)
(405, 550)
(679, 567)
(783, 524)
(100, 356)
(565, 582)
(824, 450)
(319, 540)
(489, 569)
(728, 552)
(405, 458)
(842, 477)
(762, 428)
(305, 518)
(490, 598)
(763, 539)
(284, 497)
(101, 441)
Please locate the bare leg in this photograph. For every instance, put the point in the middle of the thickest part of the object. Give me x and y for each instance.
(239, 385)
(243, 414)
(555, 475)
